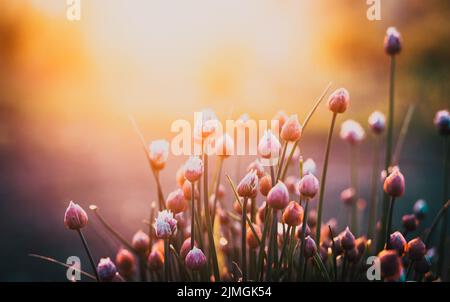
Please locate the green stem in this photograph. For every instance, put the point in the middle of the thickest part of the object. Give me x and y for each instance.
(302, 236)
(244, 240)
(441, 251)
(354, 185)
(216, 190)
(334, 253)
(280, 163)
(88, 252)
(324, 177)
(212, 248)
(389, 223)
(166, 260)
(435, 223)
(142, 267)
(373, 191)
(192, 215)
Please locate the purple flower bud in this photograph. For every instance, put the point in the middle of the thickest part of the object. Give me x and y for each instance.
(392, 41)
(347, 239)
(75, 217)
(308, 186)
(416, 249)
(195, 259)
(310, 248)
(278, 197)
(442, 122)
(394, 185)
(397, 242)
(409, 222)
(106, 269)
(391, 265)
(377, 122)
(155, 261)
(140, 241)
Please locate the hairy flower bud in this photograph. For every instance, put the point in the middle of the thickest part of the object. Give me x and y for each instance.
(291, 130)
(195, 259)
(106, 270)
(308, 186)
(292, 214)
(176, 202)
(278, 196)
(193, 169)
(158, 154)
(248, 187)
(392, 42)
(394, 185)
(165, 225)
(75, 217)
(339, 101)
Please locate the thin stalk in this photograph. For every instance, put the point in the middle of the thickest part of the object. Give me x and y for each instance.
(183, 270)
(389, 222)
(150, 227)
(166, 260)
(305, 123)
(302, 234)
(373, 191)
(88, 252)
(344, 267)
(111, 229)
(273, 247)
(435, 223)
(192, 215)
(354, 185)
(142, 267)
(216, 190)
(334, 253)
(280, 164)
(324, 177)
(402, 134)
(444, 224)
(321, 267)
(267, 216)
(52, 260)
(212, 247)
(283, 248)
(410, 266)
(388, 156)
(253, 251)
(244, 241)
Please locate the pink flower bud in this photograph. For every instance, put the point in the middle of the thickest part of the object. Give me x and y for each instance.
(391, 265)
(140, 241)
(339, 100)
(416, 249)
(165, 225)
(75, 217)
(248, 187)
(397, 242)
(224, 146)
(308, 186)
(291, 130)
(410, 222)
(159, 152)
(176, 202)
(394, 185)
(125, 262)
(310, 248)
(377, 122)
(347, 239)
(442, 122)
(256, 165)
(352, 132)
(186, 247)
(392, 41)
(269, 146)
(299, 231)
(309, 167)
(312, 218)
(251, 239)
(278, 197)
(348, 196)
(155, 260)
(193, 169)
(195, 259)
(293, 214)
(265, 184)
(106, 270)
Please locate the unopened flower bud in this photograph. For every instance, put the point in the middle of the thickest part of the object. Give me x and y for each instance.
(193, 169)
(377, 122)
(410, 222)
(420, 209)
(347, 239)
(299, 231)
(394, 185)
(224, 219)
(442, 122)
(140, 241)
(106, 270)
(256, 165)
(176, 202)
(125, 262)
(155, 261)
(397, 242)
(392, 42)
(416, 249)
(278, 197)
(265, 184)
(391, 265)
(308, 186)
(310, 248)
(165, 225)
(352, 132)
(312, 218)
(309, 167)
(291, 130)
(339, 101)
(269, 146)
(186, 247)
(195, 259)
(158, 154)
(251, 239)
(248, 187)
(348, 196)
(293, 214)
(75, 217)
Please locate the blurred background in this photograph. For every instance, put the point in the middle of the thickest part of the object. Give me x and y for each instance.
(68, 88)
